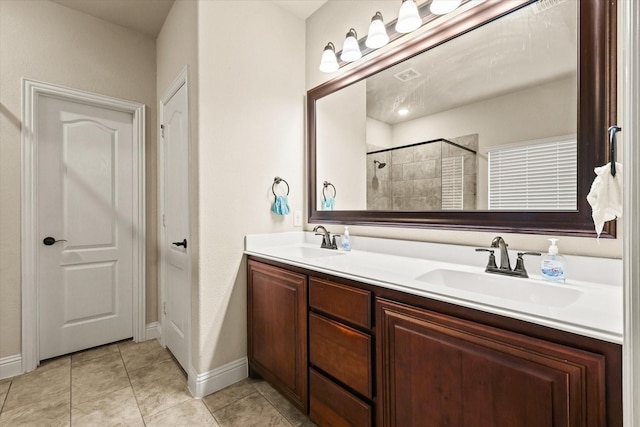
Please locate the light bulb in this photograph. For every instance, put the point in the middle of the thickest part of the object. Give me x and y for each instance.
(351, 49)
(377, 36)
(408, 17)
(329, 62)
(442, 7)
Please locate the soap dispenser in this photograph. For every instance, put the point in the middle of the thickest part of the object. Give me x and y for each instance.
(345, 242)
(553, 266)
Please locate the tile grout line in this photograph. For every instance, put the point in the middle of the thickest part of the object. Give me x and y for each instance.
(211, 412)
(6, 396)
(275, 407)
(133, 391)
(255, 390)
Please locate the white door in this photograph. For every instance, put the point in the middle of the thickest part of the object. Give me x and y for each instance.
(175, 250)
(84, 225)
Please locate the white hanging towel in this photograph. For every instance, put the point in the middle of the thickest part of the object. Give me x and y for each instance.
(605, 196)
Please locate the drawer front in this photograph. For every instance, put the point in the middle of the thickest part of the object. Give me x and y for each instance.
(342, 352)
(331, 405)
(347, 303)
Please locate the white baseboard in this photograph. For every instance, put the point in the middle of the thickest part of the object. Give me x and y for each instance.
(10, 366)
(153, 331)
(201, 385)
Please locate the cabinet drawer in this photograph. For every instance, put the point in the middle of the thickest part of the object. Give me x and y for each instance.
(341, 352)
(331, 405)
(347, 303)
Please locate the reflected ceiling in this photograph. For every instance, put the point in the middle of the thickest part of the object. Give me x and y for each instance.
(479, 70)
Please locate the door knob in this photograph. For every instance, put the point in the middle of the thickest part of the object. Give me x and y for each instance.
(183, 243)
(51, 240)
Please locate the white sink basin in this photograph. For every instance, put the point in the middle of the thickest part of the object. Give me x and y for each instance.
(512, 288)
(306, 252)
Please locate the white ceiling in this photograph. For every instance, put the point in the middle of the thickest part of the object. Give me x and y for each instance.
(526, 48)
(148, 16)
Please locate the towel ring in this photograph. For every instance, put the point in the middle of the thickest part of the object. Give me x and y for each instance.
(277, 180)
(612, 147)
(325, 185)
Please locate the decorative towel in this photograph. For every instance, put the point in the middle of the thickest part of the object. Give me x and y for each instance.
(605, 196)
(280, 205)
(328, 203)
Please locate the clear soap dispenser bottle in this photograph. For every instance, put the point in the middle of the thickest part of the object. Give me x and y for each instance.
(345, 242)
(553, 267)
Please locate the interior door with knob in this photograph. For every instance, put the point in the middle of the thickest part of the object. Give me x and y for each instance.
(85, 225)
(176, 307)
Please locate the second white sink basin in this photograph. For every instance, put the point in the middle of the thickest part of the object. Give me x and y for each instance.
(512, 288)
(306, 252)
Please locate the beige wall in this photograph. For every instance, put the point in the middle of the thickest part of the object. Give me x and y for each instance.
(177, 47)
(329, 23)
(44, 41)
(251, 129)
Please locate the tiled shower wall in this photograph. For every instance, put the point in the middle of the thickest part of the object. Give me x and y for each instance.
(411, 179)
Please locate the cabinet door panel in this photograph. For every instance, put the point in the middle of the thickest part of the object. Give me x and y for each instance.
(276, 310)
(435, 370)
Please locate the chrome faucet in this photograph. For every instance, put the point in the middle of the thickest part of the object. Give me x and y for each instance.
(505, 265)
(327, 242)
(499, 243)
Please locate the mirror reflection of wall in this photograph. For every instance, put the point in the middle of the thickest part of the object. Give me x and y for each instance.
(341, 127)
(514, 79)
(430, 175)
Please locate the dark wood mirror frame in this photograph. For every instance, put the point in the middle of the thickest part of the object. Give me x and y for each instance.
(596, 112)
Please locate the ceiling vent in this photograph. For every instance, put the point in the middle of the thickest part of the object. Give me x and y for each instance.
(542, 5)
(406, 75)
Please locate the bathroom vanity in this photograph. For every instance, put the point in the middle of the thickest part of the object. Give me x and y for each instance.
(363, 349)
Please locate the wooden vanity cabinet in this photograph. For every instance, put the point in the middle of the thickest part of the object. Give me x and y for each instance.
(277, 329)
(437, 370)
(381, 357)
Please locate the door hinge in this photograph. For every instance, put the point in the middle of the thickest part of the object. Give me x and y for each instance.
(162, 131)
(164, 307)
(163, 223)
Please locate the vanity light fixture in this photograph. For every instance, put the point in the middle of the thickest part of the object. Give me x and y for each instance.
(351, 48)
(380, 34)
(403, 111)
(408, 17)
(329, 62)
(442, 7)
(377, 36)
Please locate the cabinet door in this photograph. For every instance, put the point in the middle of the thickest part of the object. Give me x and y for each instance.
(435, 370)
(277, 323)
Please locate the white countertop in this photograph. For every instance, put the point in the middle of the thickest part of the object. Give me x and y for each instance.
(593, 309)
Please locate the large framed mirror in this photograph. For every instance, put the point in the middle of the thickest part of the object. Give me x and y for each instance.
(492, 120)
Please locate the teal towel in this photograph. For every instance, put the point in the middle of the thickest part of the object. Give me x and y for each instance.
(328, 203)
(280, 206)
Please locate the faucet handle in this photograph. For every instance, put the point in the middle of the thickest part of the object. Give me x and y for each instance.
(492, 258)
(520, 263)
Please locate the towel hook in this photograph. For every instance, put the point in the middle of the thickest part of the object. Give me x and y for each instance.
(325, 185)
(612, 147)
(277, 180)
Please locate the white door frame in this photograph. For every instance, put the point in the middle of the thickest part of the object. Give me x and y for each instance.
(629, 32)
(31, 91)
(180, 80)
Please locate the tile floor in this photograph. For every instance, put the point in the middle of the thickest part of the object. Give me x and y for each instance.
(134, 384)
